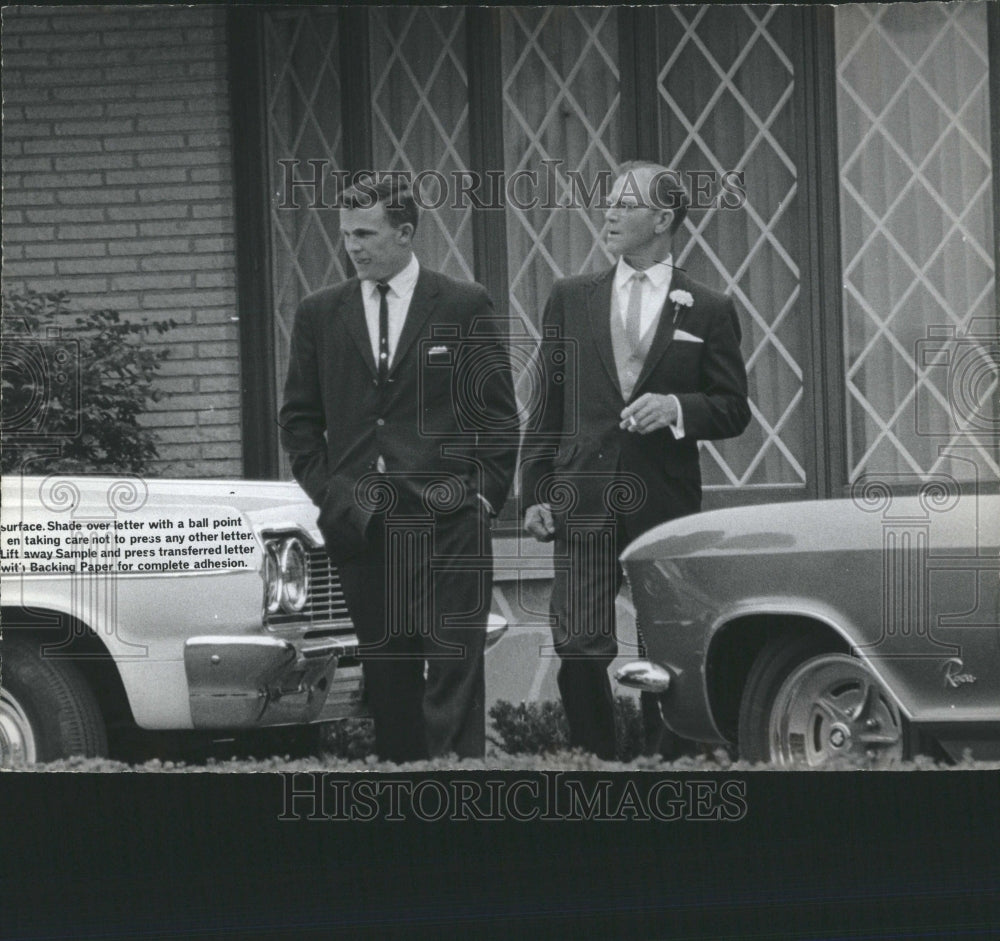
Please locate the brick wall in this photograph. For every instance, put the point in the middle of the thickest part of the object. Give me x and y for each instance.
(117, 188)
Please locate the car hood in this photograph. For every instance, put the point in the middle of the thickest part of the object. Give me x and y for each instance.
(264, 505)
(818, 526)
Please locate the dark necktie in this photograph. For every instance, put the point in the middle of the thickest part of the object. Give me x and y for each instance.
(383, 331)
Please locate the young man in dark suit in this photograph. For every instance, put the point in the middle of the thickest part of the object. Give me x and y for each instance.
(649, 365)
(400, 421)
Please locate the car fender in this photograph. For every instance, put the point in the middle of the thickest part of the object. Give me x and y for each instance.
(799, 609)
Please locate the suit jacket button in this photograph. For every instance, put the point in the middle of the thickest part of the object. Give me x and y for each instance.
(379, 421)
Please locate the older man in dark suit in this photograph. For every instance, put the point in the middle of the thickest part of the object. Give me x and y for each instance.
(400, 421)
(649, 365)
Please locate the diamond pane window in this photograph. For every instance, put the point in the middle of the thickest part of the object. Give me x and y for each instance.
(420, 122)
(561, 130)
(725, 86)
(303, 123)
(917, 238)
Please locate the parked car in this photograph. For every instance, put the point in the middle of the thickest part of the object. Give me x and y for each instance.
(864, 629)
(166, 604)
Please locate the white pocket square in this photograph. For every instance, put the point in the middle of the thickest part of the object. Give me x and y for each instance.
(439, 356)
(689, 337)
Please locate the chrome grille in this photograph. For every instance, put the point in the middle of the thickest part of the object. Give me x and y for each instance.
(326, 598)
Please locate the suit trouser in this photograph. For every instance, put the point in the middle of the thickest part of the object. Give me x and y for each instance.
(420, 597)
(587, 580)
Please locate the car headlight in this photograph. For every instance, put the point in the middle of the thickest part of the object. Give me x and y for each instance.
(272, 579)
(294, 568)
(286, 576)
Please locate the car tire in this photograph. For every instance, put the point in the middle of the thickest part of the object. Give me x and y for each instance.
(807, 706)
(774, 663)
(47, 710)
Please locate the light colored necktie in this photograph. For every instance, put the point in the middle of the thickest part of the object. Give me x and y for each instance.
(633, 314)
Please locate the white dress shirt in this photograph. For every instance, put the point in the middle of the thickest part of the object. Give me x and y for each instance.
(655, 288)
(398, 298)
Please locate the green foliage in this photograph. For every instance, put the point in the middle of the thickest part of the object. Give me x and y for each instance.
(541, 729)
(628, 725)
(348, 739)
(535, 728)
(74, 386)
(563, 762)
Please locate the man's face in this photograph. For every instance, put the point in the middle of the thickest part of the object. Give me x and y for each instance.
(635, 225)
(377, 249)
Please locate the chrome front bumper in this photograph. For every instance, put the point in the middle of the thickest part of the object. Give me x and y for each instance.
(239, 682)
(645, 675)
(251, 682)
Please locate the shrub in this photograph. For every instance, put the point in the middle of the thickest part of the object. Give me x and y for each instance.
(530, 728)
(541, 728)
(349, 739)
(628, 725)
(74, 386)
(537, 728)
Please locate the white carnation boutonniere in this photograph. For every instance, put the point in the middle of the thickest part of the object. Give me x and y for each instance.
(680, 299)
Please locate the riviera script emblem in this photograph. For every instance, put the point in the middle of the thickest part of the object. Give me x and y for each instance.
(953, 675)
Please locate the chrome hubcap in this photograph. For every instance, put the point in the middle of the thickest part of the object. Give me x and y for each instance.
(839, 736)
(17, 740)
(832, 707)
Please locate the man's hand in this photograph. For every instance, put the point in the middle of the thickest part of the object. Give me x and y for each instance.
(538, 522)
(650, 412)
(485, 504)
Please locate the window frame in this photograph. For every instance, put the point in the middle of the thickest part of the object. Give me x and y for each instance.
(814, 103)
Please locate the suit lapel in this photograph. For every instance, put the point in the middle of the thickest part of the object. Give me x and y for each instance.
(665, 326)
(421, 305)
(599, 315)
(357, 327)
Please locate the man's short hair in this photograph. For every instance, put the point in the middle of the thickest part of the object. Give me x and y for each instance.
(395, 195)
(669, 192)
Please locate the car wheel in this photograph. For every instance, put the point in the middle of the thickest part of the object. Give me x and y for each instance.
(806, 708)
(47, 711)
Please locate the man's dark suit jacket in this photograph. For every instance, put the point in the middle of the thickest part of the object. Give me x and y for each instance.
(444, 413)
(577, 439)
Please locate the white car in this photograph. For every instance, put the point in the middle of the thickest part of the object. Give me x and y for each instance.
(166, 604)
